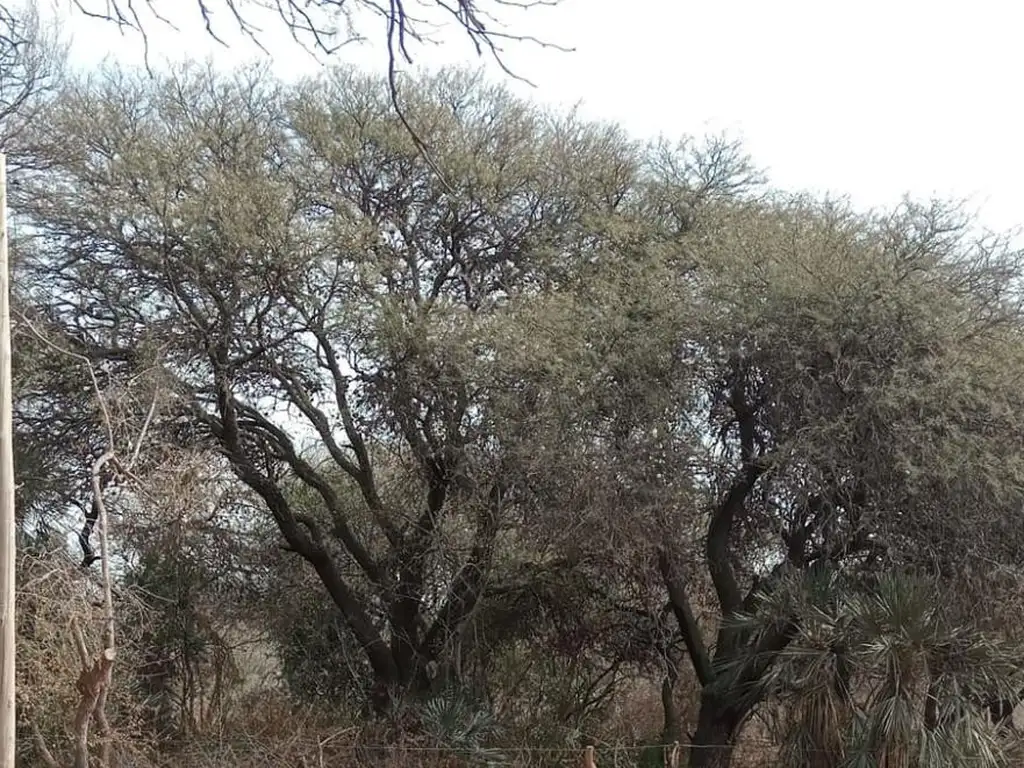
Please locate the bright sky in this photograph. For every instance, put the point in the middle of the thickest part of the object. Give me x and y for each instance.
(871, 99)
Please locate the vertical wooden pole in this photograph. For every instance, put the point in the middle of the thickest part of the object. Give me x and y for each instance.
(8, 721)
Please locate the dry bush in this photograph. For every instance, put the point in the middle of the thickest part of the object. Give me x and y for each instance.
(54, 598)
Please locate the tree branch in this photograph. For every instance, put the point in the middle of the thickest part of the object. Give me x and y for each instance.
(360, 471)
(467, 586)
(328, 359)
(40, 744)
(283, 445)
(227, 431)
(688, 627)
(720, 526)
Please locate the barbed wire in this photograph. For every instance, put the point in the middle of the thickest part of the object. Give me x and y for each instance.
(740, 744)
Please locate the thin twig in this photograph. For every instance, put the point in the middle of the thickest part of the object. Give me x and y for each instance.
(142, 433)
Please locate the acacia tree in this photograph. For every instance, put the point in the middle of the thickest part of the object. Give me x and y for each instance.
(462, 401)
(350, 332)
(858, 399)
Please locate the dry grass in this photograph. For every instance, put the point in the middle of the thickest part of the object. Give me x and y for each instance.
(55, 602)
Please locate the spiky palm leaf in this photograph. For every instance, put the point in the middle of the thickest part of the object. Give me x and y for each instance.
(876, 678)
(462, 725)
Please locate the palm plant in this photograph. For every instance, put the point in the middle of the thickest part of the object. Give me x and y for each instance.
(877, 676)
(459, 723)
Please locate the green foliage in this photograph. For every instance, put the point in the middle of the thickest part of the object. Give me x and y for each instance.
(462, 725)
(878, 675)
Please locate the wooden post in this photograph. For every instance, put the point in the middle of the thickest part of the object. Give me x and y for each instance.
(7, 525)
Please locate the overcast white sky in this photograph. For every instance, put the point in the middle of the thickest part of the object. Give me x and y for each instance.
(869, 99)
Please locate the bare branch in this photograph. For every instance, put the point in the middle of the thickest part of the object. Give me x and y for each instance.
(313, 24)
(108, 602)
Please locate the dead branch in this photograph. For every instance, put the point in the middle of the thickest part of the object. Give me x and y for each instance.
(80, 646)
(672, 756)
(108, 602)
(99, 710)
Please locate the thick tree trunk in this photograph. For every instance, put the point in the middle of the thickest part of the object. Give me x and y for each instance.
(718, 728)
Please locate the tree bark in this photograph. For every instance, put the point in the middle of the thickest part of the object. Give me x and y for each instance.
(718, 728)
(670, 730)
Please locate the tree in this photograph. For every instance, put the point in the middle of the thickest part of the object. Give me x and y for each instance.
(856, 378)
(579, 387)
(302, 273)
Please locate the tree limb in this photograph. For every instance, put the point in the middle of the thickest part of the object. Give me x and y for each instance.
(720, 526)
(227, 431)
(688, 627)
(467, 586)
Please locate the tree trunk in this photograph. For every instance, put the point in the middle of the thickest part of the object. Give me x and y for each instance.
(670, 732)
(718, 727)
